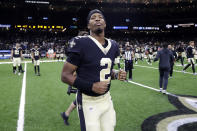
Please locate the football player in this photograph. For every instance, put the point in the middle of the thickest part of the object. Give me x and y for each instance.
(62, 53)
(150, 55)
(16, 56)
(195, 54)
(31, 50)
(58, 53)
(190, 57)
(180, 51)
(36, 59)
(92, 57)
(137, 53)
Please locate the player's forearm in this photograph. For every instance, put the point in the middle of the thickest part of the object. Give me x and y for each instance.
(68, 78)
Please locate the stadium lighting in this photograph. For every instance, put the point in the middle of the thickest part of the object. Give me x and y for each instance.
(195, 25)
(168, 26)
(145, 28)
(64, 30)
(37, 2)
(186, 25)
(175, 26)
(73, 27)
(4, 26)
(29, 18)
(45, 18)
(120, 27)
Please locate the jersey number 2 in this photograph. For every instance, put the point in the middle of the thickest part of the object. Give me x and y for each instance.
(106, 71)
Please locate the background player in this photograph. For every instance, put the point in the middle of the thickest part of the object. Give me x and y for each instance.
(16, 56)
(190, 57)
(36, 58)
(62, 53)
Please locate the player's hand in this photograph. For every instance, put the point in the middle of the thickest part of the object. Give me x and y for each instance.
(122, 75)
(100, 87)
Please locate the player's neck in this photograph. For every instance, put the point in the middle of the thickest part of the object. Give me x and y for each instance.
(99, 37)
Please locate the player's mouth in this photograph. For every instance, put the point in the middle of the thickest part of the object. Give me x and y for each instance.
(98, 24)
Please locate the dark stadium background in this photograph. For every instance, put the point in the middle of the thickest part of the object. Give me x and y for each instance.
(117, 12)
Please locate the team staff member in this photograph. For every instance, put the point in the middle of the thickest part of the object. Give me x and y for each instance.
(164, 56)
(129, 55)
(36, 59)
(190, 57)
(16, 56)
(92, 57)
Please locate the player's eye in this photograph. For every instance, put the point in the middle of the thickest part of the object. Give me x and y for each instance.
(93, 17)
(101, 17)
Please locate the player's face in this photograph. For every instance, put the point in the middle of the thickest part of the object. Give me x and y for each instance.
(36, 47)
(17, 45)
(96, 23)
(169, 47)
(192, 43)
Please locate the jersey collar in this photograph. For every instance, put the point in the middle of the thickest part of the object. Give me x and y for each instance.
(103, 49)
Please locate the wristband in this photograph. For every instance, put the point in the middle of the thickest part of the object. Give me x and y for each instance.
(83, 85)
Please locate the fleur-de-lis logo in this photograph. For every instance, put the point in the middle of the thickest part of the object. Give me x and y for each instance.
(72, 44)
(181, 118)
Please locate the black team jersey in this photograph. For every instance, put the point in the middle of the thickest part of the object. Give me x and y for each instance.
(150, 51)
(190, 52)
(36, 53)
(94, 61)
(17, 52)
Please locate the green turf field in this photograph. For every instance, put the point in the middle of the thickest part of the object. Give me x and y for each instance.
(46, 97)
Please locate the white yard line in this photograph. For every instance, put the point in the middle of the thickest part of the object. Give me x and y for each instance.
(31, 61)
(151, 88)
(157, 69)
(21, 113)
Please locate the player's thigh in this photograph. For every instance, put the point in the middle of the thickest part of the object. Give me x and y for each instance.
(91, 115)
(190, 60)
(38, 62)
(14, 62)
(19, 61)
(35, 62)
(108, 119)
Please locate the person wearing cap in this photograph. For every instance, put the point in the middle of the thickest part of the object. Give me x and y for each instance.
(92, 57)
